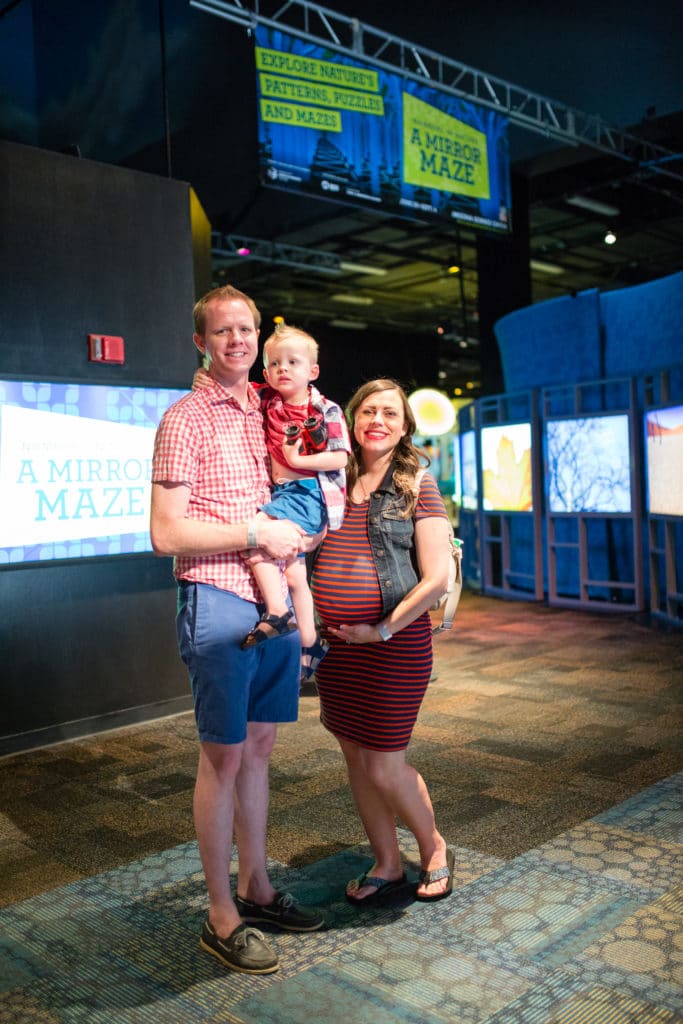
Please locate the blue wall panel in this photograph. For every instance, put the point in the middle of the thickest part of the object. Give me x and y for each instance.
(551, 343)
(593, 336)
(643, 327)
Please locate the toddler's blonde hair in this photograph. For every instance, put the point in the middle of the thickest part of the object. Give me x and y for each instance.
(285, 332)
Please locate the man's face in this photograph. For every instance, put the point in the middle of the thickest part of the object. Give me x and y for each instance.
(230, 339)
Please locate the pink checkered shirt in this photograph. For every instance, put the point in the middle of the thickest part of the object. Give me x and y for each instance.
(206, 441)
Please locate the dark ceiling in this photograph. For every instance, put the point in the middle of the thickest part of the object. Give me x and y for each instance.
(418, 292)
(89, 75)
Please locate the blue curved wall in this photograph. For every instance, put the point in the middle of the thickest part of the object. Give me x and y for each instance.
(643, 327)
(593, 335)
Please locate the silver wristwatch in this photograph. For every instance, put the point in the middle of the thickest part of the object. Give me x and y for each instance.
(252, 539)
(385, 633)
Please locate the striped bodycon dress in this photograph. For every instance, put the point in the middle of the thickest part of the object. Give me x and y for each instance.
(369, 693)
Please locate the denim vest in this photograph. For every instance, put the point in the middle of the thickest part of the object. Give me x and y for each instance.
(391, 543)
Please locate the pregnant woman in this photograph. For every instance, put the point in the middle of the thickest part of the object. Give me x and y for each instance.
(373, 583)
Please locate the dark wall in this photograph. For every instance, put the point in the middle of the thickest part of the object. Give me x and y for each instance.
(91, 248)
(504, 283)
(348, 358)
(88, 646)
(87, 247)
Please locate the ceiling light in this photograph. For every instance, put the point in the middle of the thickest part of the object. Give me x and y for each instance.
(433, 411)
(594, 205)
(361, 268)
(610, 238)
(546, 268)
(352, 299)
(349, 325)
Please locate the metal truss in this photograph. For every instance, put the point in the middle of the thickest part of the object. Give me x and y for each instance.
(525, 109)
(239, 247)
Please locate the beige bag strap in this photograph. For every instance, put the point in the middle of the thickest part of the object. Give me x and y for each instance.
(455, 590)
(452, 598)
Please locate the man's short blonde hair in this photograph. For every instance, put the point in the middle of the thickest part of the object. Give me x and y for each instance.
(226, 291)
(283, 332)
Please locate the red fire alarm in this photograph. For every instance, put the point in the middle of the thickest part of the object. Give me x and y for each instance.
(105, 348)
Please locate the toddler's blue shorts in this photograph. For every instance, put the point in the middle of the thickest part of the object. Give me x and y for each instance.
(302, 501)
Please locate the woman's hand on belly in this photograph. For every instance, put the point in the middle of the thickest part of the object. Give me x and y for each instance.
(359, 633)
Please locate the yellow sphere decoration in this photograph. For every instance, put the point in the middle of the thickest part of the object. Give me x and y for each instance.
(433, 411)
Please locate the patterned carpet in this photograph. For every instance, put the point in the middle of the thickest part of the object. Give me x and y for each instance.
(551, 744)
(586, 927)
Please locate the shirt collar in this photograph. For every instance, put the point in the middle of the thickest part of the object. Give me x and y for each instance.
(222, 393)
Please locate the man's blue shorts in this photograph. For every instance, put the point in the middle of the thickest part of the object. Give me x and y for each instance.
(302, 501)
(230, 686)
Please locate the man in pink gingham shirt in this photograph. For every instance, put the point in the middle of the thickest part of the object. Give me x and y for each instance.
(210, 473)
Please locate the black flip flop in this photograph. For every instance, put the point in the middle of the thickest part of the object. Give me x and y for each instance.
(382, 886)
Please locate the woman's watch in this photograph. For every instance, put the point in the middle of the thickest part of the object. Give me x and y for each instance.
(385, 633)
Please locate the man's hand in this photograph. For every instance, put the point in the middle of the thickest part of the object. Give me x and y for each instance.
(280, 538)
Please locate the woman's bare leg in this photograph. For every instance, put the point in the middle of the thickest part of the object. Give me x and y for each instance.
(386, 787)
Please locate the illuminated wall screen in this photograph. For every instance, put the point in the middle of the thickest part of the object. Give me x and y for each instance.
(664, 459)
(588, 464)
(506, 467)
(457, 471)
(468, 469)
(75, 467)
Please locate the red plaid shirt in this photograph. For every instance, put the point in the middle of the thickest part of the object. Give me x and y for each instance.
(208, 442)
(332, 482)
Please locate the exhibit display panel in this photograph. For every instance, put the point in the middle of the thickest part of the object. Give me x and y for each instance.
(663, 447)
(469, 494)
(87, 249)
(588, 464)
(592, 479)
(663, 429)
(75, 468)
(506, 467)
(510, 505)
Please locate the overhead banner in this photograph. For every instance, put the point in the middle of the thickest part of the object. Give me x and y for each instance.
(333, 127)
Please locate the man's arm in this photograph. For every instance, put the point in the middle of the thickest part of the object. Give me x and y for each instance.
(174, 534)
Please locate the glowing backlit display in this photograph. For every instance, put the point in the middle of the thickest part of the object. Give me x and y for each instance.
(75, 463)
